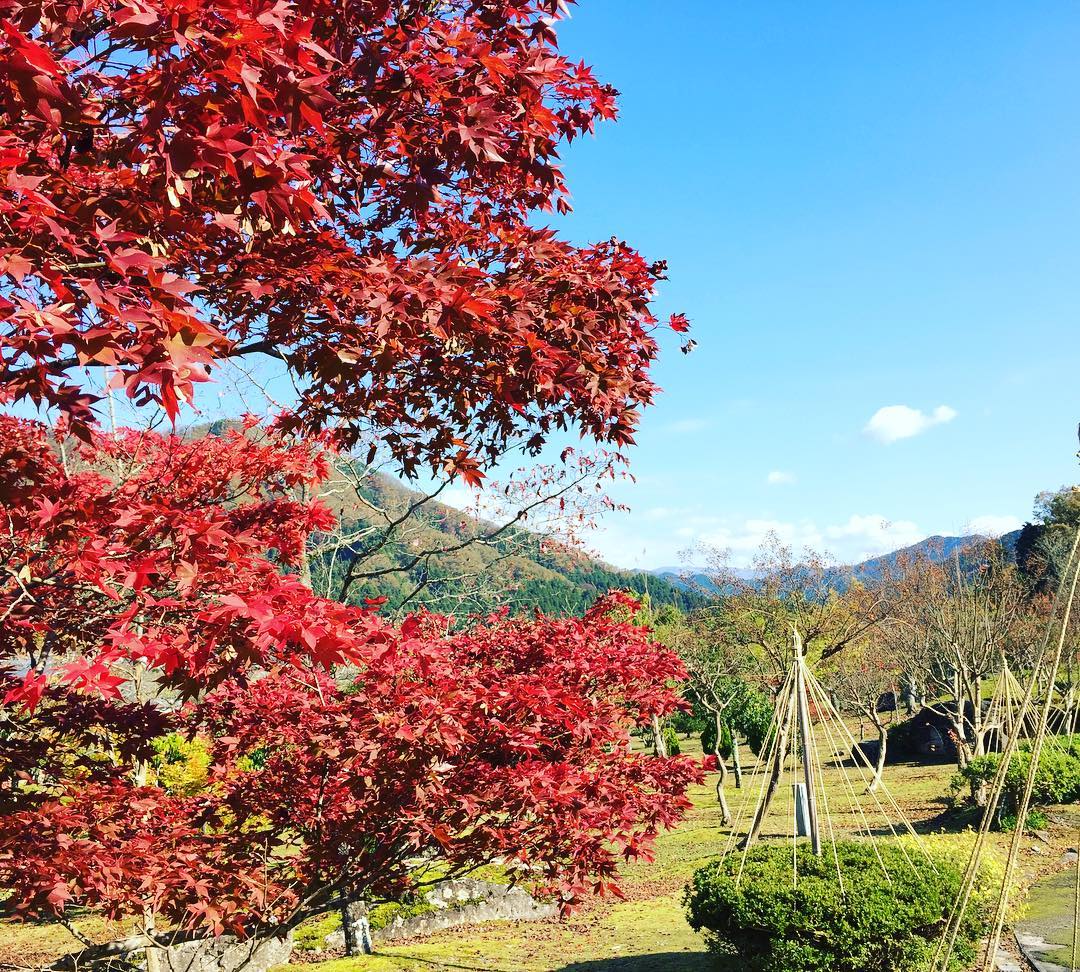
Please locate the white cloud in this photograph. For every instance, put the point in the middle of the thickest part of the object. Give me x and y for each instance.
(779, 477)
(460, 496)
(893, 422)
(863, 537)
(668, 512)
(687, 426)
(992, 525)
(860, 537)
(743, 539)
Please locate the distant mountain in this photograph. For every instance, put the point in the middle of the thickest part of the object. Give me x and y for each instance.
(698, 579)
(516, 569)
(936, 549)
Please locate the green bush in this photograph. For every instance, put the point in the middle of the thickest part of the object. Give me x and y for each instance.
(752, 719)
(708, 739)
(690, 723)
(1057, 779)
(671, 741)
(869, 924)
(1036, 820)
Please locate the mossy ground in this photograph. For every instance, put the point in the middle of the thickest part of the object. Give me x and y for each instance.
(36, 943)
(1049, 910)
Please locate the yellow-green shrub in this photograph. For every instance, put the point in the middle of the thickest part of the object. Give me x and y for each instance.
(180, 765)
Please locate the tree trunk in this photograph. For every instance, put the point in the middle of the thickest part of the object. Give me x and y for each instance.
(721, 796)
(305, 556)
(736, 760)
(152, 955)
(978, 730)
(959, 726)
(357, 931)
(883, 740)
(963, 750)
(910, 697)
(659, 747)
(774, 774)
(721, 780)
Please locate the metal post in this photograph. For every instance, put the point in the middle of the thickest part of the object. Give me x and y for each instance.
(808, 758)
(802, 814)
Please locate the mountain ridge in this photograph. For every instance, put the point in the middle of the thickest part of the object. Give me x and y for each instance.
(935, 548)
(516, 568)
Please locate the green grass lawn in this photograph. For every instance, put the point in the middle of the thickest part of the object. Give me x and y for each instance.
(648, 931)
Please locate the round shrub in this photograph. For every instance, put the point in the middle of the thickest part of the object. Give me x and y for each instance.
(708, 739)
(671, 742)
(872, 923)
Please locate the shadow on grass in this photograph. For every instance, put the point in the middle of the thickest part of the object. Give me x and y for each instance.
(658, 962)
(419, 961)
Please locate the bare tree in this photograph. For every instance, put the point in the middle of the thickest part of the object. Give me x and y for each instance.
(952, 623)
(860, 678)
(780, 593)
(719, 668)
(780, 603)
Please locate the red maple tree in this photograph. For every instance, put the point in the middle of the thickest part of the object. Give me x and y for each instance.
(344, 186)
(160, 603)
(349, 188)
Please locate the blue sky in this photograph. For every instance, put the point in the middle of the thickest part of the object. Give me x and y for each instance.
(862, 206)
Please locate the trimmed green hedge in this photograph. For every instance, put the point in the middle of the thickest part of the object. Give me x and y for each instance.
(1057, 778)
(872, 924)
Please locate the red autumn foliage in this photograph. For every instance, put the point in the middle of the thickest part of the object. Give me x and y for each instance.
(160, 602)
(351, 188)
(345, 186)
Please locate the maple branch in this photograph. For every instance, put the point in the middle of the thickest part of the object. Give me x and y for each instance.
(257, 347)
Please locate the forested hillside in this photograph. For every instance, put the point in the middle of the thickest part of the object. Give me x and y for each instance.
(471, 569)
